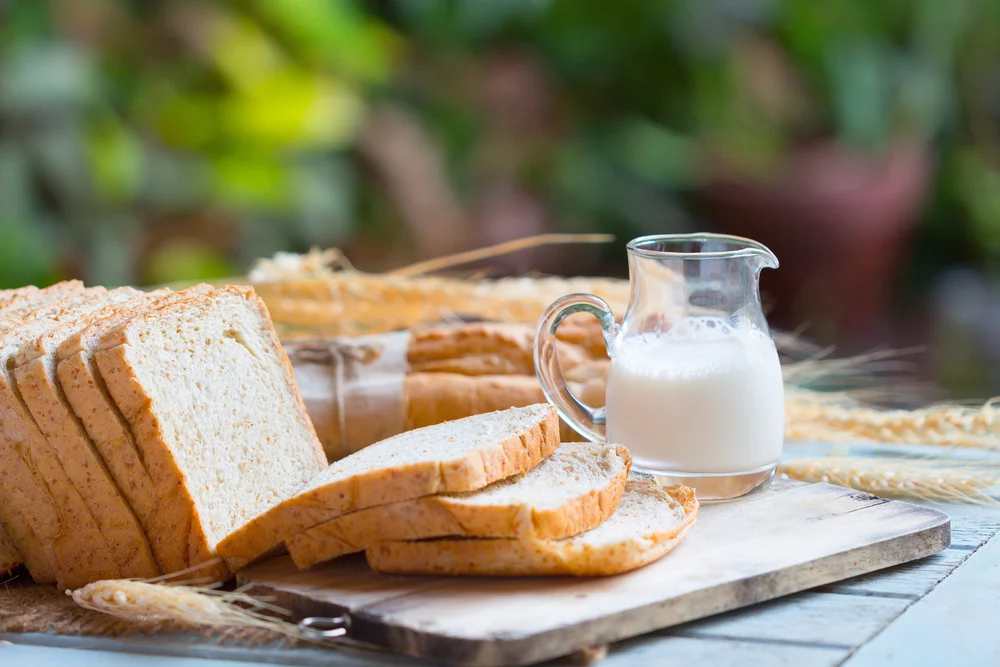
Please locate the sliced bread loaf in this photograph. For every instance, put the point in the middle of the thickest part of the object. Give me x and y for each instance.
(649, 522)
(23, 303)
(572, 491)
(212, 405)
(27, 510)
(463, 455)
(105, 427)
(58, 514)
(35, 373)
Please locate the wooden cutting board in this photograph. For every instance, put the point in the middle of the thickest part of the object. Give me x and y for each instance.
(737, 554)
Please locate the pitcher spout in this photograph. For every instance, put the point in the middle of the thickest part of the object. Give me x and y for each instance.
(762, 254)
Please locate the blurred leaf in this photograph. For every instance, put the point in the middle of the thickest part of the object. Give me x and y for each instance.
(337, 33)
(245, 181)
(187, 259)
(978, 185)
(859, 83)
(294, 109)
(115, 161)
(242, 51)
(655, 153)
(181, 119)
(27, 254)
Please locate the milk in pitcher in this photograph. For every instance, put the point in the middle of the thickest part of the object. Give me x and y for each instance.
(703, 398)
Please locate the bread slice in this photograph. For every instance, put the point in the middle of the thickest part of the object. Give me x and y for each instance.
(23, 303)
(572, 491)
(56, 512)
(649, 522)
(8, 295)
(106, 428)
(212, 405)
(10, 557)
(35, 373)
(27, 510)
(463, 455)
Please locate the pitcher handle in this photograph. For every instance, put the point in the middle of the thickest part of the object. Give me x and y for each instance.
(586, 420)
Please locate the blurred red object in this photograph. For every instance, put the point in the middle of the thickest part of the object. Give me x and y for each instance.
(839, 222)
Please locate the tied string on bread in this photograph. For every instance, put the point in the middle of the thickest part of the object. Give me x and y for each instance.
(352, 388)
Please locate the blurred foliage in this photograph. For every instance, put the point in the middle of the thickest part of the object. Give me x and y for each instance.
(174, 139)
(124, 124)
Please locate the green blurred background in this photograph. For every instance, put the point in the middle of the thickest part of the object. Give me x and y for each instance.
(145, 142)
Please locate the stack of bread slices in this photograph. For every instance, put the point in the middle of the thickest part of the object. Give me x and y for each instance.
(493, 494)
(147, 433)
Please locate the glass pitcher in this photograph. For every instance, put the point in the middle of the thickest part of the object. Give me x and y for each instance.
(695, 388)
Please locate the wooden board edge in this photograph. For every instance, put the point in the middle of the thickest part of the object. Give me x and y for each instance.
(532, 649)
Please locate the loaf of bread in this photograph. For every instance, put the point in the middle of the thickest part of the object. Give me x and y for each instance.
(573, 490)
(442, 373)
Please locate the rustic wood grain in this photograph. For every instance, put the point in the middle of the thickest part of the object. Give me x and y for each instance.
(955, 624)
(738, 554)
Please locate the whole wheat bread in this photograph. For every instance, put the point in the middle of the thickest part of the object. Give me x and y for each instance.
(212, 406)
(572, 491)
(44, 500)
(463, 455)
(650, 521)
(106, 428)
(35, 372)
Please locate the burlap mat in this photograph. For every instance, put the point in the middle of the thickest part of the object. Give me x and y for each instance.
(28, 607)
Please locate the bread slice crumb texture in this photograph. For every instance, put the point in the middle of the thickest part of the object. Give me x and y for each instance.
(571, 491)
(165, 522)
(210, 399)
(463, 455)
(650, 521)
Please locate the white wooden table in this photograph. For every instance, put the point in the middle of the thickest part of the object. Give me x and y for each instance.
(938, 611)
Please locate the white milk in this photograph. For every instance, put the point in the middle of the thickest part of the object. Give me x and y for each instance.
(702, 398)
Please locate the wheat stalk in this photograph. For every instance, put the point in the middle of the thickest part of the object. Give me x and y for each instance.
(815, 416)
(923, 479)
(154, 600)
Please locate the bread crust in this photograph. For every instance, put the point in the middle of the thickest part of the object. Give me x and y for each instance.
(119, 373)
(81, 553)
(112, 438)
(438, 516)
(514, 557)
(472, 471)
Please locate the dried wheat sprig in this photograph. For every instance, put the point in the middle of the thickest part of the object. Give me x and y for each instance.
(813, 416)
(925, 479)
(458, 259)
(146, 600)
(197, 605)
